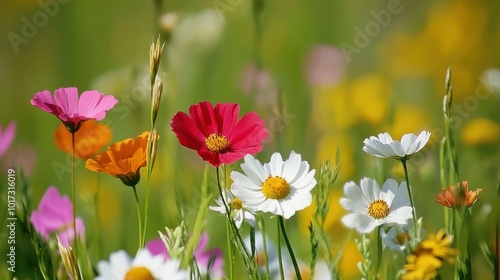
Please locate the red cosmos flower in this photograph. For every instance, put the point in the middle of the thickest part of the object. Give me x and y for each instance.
(216, 133)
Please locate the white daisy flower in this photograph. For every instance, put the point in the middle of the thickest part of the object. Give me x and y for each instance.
(371, 207)
(383, 146)
(238, 211)
(144, 266)
(278, 187)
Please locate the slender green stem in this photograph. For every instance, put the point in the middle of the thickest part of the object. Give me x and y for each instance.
(139, 218)
(379, 251)
(230, 249)
(264, 242)
(228, 226)
(146, 204)
(97, 219)
(249, 261)
(73, 192)
(280, 257)
(290, 250)
(410, 196)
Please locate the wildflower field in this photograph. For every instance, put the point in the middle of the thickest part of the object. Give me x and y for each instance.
(233, 139)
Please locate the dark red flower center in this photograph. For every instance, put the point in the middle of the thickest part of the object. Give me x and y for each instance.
(217, 143)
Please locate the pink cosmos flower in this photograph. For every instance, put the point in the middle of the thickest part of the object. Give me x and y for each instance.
(216, 133)
(202, 256)
(55, 215)
(260, 84)
(6, 137)
(71, 110)
(24, 156)
(324, 66)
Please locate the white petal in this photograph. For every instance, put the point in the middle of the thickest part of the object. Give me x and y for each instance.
(397, 149)
(305, 181)
(408, 140)
(374, 151)
(385, 138)
(400, 215)
(354, 205)
(363, 223)
(249, 218)
(370, 189)
(401, 198)
(291, 167)
(288, 210)
(299, 201)
(254, 169)
(390, 190)
(275, 166)
(372, 148)
(249, 182)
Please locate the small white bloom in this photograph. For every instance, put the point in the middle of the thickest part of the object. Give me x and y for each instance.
(238, 211)
(371, 207)
(278, 187)
(398, 236)
(143, 266)
(383, 146)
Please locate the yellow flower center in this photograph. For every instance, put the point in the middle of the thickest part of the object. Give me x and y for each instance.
(275, 188)
(217, 143)
(403, 237)
(139, 273)
(260, 258)
(236, 204)
(378, 209)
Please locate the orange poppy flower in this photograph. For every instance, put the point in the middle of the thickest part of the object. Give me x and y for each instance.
(122, 159)
(455, 197)
(89, 139)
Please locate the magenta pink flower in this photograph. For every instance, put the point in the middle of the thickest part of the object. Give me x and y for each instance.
(216, 133)
(73, 112)
(202, 256)
(55, 215)
(6, 137)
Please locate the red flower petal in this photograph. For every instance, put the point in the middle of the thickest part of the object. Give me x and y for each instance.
(244, 136)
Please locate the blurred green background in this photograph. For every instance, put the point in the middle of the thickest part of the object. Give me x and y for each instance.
(385, 65)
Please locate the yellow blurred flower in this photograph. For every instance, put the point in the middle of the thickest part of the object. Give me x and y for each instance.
(332, 108)
(326, 148)
(370, 98)
(108, 201)
(408, 118)
(348, 103)
(429, 256)
(480, 131)
(455, 35)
